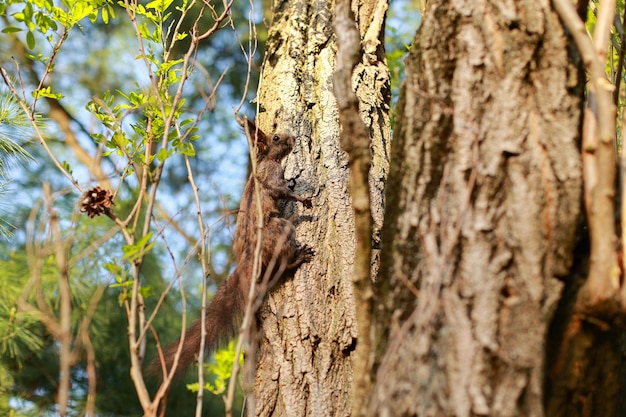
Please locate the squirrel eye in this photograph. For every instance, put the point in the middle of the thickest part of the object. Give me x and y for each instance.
(276, 138)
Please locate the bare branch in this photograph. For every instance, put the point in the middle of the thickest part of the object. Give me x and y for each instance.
(355, 140)
(64, 337)
(598, 156)
(256, 271)
(205, 256)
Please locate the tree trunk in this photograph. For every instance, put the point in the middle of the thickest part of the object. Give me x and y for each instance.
(483, 200)
(307, 327)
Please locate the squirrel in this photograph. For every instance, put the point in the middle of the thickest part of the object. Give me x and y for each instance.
(279, 248)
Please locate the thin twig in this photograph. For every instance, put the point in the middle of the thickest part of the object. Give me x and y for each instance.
(205, 255)
(249, 311)
(256, 271)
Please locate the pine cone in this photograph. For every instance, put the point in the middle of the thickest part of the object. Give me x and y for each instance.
(96, 201)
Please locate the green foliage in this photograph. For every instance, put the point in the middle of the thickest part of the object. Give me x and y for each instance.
(28, 353)
(19, 331)
(14, 127)
(44, 16)
(139, 124)
(138, 250)
(403, 19)
(27, 349)
(219, 369)
(614, 68)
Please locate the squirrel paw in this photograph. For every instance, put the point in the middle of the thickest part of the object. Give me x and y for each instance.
(306, 253)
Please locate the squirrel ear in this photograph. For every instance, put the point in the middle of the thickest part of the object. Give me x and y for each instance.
(257, 135)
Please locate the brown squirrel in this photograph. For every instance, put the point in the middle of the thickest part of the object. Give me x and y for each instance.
(279, 247)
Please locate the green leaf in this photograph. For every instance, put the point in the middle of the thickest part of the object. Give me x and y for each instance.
(121, 283)
(162, 154)
(30, 40)
(159, 5)
(114, 269)
(111, 11)
(80, 10)
(193, 387)
(138, 250)
(47, 92)
(146, 292)
(172, 78)
(28, 11)
(123, 296)
(188, 149)
(11, 29)
(67, 167)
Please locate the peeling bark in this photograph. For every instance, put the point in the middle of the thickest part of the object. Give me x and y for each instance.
(483, 201)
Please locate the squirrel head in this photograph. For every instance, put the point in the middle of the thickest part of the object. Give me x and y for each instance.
(275, 146)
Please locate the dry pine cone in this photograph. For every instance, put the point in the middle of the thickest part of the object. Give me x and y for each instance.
(96, 201)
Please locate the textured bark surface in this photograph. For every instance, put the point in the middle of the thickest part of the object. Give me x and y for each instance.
(307, 325)
(483, 201)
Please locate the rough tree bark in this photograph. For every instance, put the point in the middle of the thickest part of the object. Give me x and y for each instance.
(307, 325)
(483, 200)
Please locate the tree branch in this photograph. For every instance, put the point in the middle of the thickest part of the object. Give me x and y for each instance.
(601, 291)
(355, 140)
(63, 118)
(64, 337)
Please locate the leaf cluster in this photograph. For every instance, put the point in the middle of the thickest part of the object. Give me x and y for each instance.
(141, 136)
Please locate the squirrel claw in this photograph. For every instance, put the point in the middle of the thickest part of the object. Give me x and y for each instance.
(307, 253)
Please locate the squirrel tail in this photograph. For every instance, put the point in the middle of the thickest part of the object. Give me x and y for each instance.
(223, 313)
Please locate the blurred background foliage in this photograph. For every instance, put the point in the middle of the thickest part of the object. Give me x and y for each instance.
(99, 57)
